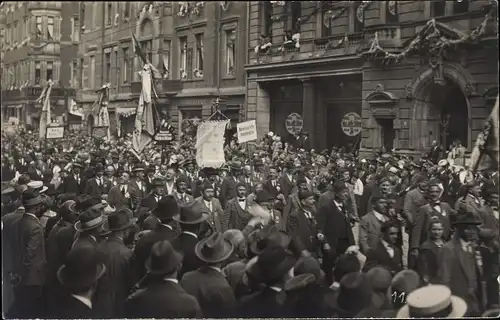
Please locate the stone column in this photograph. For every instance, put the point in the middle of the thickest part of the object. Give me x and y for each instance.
(309, 110)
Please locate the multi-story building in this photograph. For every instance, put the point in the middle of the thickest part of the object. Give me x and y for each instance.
(200, 56)
(37, 45)
(378, 59)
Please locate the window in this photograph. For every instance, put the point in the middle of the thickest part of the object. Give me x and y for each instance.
(107, 66)
(230, 52)
(126, 12)
(268, 18)
(391, 12)
(186, 115)
(15, 33)
(183, 53)
(126, 64)
(199, 52)
(50, 28)
(81, 74)
(359, 19)
(39, 31)
(38, 72)
(74, 74)
(75, 29)
(438, 8)
(92, 72)
(147, 48)
(165, 61)
(26, 28)
(50, 71)
(296, 10)
(109, 13)
(460, 7)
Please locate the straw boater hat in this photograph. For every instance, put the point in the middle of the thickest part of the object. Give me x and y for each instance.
(433, 301)
(38, 186)
(214, 249)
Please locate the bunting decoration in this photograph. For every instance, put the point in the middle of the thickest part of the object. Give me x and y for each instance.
(45, 117)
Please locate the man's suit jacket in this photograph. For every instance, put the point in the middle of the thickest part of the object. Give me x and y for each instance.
(420, 232)
(94, 189)
(162, 299)
(434, 154)
(473, 205)
(274, 191)
(414, 199)
(457, 271)
(84, 240)
(325, 199)
(28, 246)
(286, 185)
(149, 202)
(292, 205)
(137, 193)
(117, 199)
(183, 199)
(266, 303)
(71, 185)
(114, 287)
(427, 265)
(71, 308)
(303, 231)
(369, 232)
(215, 215)
(451, 189)
(234, 216)
(34, 174)
(212, 291)
(379, 256)
(185, 244)
(228, 190)
(8, 172)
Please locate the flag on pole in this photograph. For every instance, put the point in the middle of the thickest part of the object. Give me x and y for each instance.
(100, 109)
(144, 119)
(138, 50)
(485, 153)
(45, 117)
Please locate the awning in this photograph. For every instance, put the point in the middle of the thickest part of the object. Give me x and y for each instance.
(125, 112)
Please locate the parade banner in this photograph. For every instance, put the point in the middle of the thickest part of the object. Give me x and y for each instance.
(485, 152)
(55, 132)
(247, 131)
(45, 118)
(144, 123)
(210, 144)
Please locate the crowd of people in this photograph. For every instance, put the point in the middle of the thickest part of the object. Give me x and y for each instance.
(92, 230)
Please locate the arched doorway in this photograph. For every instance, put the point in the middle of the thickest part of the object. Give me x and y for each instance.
(90, 124)
(451, 112)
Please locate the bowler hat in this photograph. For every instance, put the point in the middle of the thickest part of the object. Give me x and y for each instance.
(167, 208)
(158, 182)
(272, 264)
(214, 249)
(90, 219)
(85, 202)
(164, 259)
(355, 294)
(433, 301)
(32, 198)
(190, 213)
(119, 220)
(138, 167)
(182, 178)
(82, 268)
(263, 196)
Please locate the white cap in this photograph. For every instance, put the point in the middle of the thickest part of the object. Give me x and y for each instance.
(35, 184)
(443, 163)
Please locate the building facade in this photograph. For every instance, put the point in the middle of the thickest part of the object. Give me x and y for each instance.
(37, 46)
(200, 56)
(375, 59)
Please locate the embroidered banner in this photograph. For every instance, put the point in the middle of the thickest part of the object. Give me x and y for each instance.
(210, 144)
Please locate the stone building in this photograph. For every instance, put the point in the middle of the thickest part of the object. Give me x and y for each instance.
(354, 57)
(37, 45)
(200, 56)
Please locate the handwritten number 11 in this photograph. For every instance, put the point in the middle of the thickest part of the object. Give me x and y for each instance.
(401, 297)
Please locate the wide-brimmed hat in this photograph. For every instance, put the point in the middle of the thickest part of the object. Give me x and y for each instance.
(433, 301)
(90, 219)
(82, 268)
(163, 259)
(138, 167)
(32, 198)
(355, 294)
(214, 249)
(208, 171)
(63, 209)
(86, 202)
(466, 218)
(158, 182)
(119, 220)
(269, 236)
(167, 208)
(190, 213)
(272, 264)
(38, 186)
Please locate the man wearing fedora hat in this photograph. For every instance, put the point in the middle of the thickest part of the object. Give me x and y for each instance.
(138, 187)
(120, 196)
(208, 284)
(116, 283)
(190, 218)
(460, 262)
(75, 181)
(158, 192)
(228, 185)
(98, 186)
(210, 205)
(273, 267)
(159, 295)
(79, 275)
(28, 254)
(89, 227)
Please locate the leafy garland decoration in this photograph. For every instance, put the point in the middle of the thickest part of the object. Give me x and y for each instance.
(429, 38)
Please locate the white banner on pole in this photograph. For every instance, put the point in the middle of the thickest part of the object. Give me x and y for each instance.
(210, 144)
(247, 131)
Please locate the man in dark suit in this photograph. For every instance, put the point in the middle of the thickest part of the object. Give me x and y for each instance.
(303, 228)
(435, 152)
(120, 196)
(335, 222)
(98, 186)
(180, 193)
(386, 253)
(166, 229)
(208, 284)
(159, 294)
(156, 194)
(9, 169)
(293, 201)
(210, 205)
(371, 223)
(74, 182)
(115, 285)
(451, 186)
(272, 184)
(287, 179)
(35, 170)
(236, 215)
(190, 218)
(89, 227)
(459, 266)
(228, 185)
(138, 186)
(79, 275)
(30, 265)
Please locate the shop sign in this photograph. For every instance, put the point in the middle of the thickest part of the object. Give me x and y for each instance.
(352, 124)
(55, 132)
(294, 123)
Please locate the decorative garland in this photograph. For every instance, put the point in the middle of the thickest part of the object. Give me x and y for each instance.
(430, 37)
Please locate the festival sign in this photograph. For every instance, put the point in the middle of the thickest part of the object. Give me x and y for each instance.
(247, 131)
(55, 132)
(99, 132)
(210, 144)
(294, 123)
(352, 124)
(165, 134)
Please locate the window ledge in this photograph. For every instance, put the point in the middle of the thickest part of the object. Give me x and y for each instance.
(193, 80)
(227, 77)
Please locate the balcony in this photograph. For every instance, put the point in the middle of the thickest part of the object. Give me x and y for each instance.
(389, 37)
(339, 45)
(32, 93)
